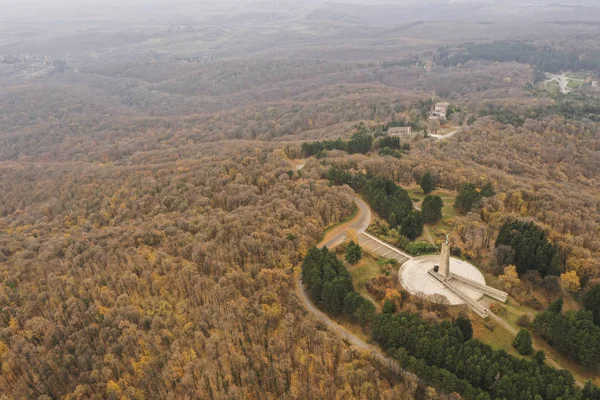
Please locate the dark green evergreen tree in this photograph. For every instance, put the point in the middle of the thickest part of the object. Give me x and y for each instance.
(539, 357)
(531, 247)
(591, 302)
(365, 312)
(351, 302)
(464, 324)
(573, 334)
(360, 143)
(353, 253)
(523, 343)
(467, 198)
(426, 183)
(431, 209)
(389, 307)
(556, 306)
(590, 392)
(487, 190)
(412, 225)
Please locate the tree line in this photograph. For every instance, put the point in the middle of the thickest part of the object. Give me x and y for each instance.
(543, 58)
(361, 142)
(390, 201)
(530, 247)
(442, 353)
(330, 285)
(573, 333)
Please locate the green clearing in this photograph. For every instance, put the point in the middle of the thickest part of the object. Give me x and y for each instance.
(574, 84)
(445, 225)
(553, 88)
(362, 271)
(498, 339)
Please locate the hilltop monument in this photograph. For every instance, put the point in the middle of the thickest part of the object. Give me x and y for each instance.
(459, 281)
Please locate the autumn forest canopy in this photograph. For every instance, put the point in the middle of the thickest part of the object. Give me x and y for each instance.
(168, 171)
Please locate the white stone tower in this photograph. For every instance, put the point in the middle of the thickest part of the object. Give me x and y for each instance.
(445, 259)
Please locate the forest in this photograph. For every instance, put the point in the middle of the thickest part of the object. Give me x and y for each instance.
(389, 200)
(331, 286)
(543, 58)
(530, 247)
(573, 333)
(166, 170)
(444, 354)
(468, 365)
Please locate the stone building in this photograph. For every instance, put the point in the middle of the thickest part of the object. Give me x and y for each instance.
(400, 131)
(439, 111)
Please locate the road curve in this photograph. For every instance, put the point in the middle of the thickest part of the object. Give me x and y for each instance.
(360, 223)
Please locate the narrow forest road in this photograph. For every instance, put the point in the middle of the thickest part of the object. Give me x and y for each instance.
(360, 223)
(447, 136)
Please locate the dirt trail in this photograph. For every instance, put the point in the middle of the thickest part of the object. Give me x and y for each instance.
(447, 136)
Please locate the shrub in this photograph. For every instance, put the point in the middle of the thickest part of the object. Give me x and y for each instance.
(418, 248)
(524, 321)
(389, 307)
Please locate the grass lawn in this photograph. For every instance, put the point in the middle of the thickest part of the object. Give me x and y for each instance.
(439, 230)
(448, 129)
(574, 84)
(553, 87)
(362, 271)
(498, 339)
(577, 75)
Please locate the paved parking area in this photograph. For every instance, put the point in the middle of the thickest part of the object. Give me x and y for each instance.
(379, 248)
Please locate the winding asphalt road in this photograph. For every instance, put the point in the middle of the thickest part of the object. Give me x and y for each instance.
(359, 223)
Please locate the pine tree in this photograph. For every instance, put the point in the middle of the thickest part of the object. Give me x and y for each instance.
(556, 306)
(591, 302)
(523, 343)
(412, 225)
(431, 209)
(426, 183)
(464, 324)
(353, 253)
(467, 198)
(389, 307)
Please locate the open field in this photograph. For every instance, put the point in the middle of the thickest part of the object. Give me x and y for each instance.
(361, 272)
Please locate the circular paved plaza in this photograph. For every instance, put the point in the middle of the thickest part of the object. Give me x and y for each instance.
(414, 277)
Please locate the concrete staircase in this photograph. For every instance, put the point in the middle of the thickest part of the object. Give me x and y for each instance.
(488, 291)
(475, 306)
